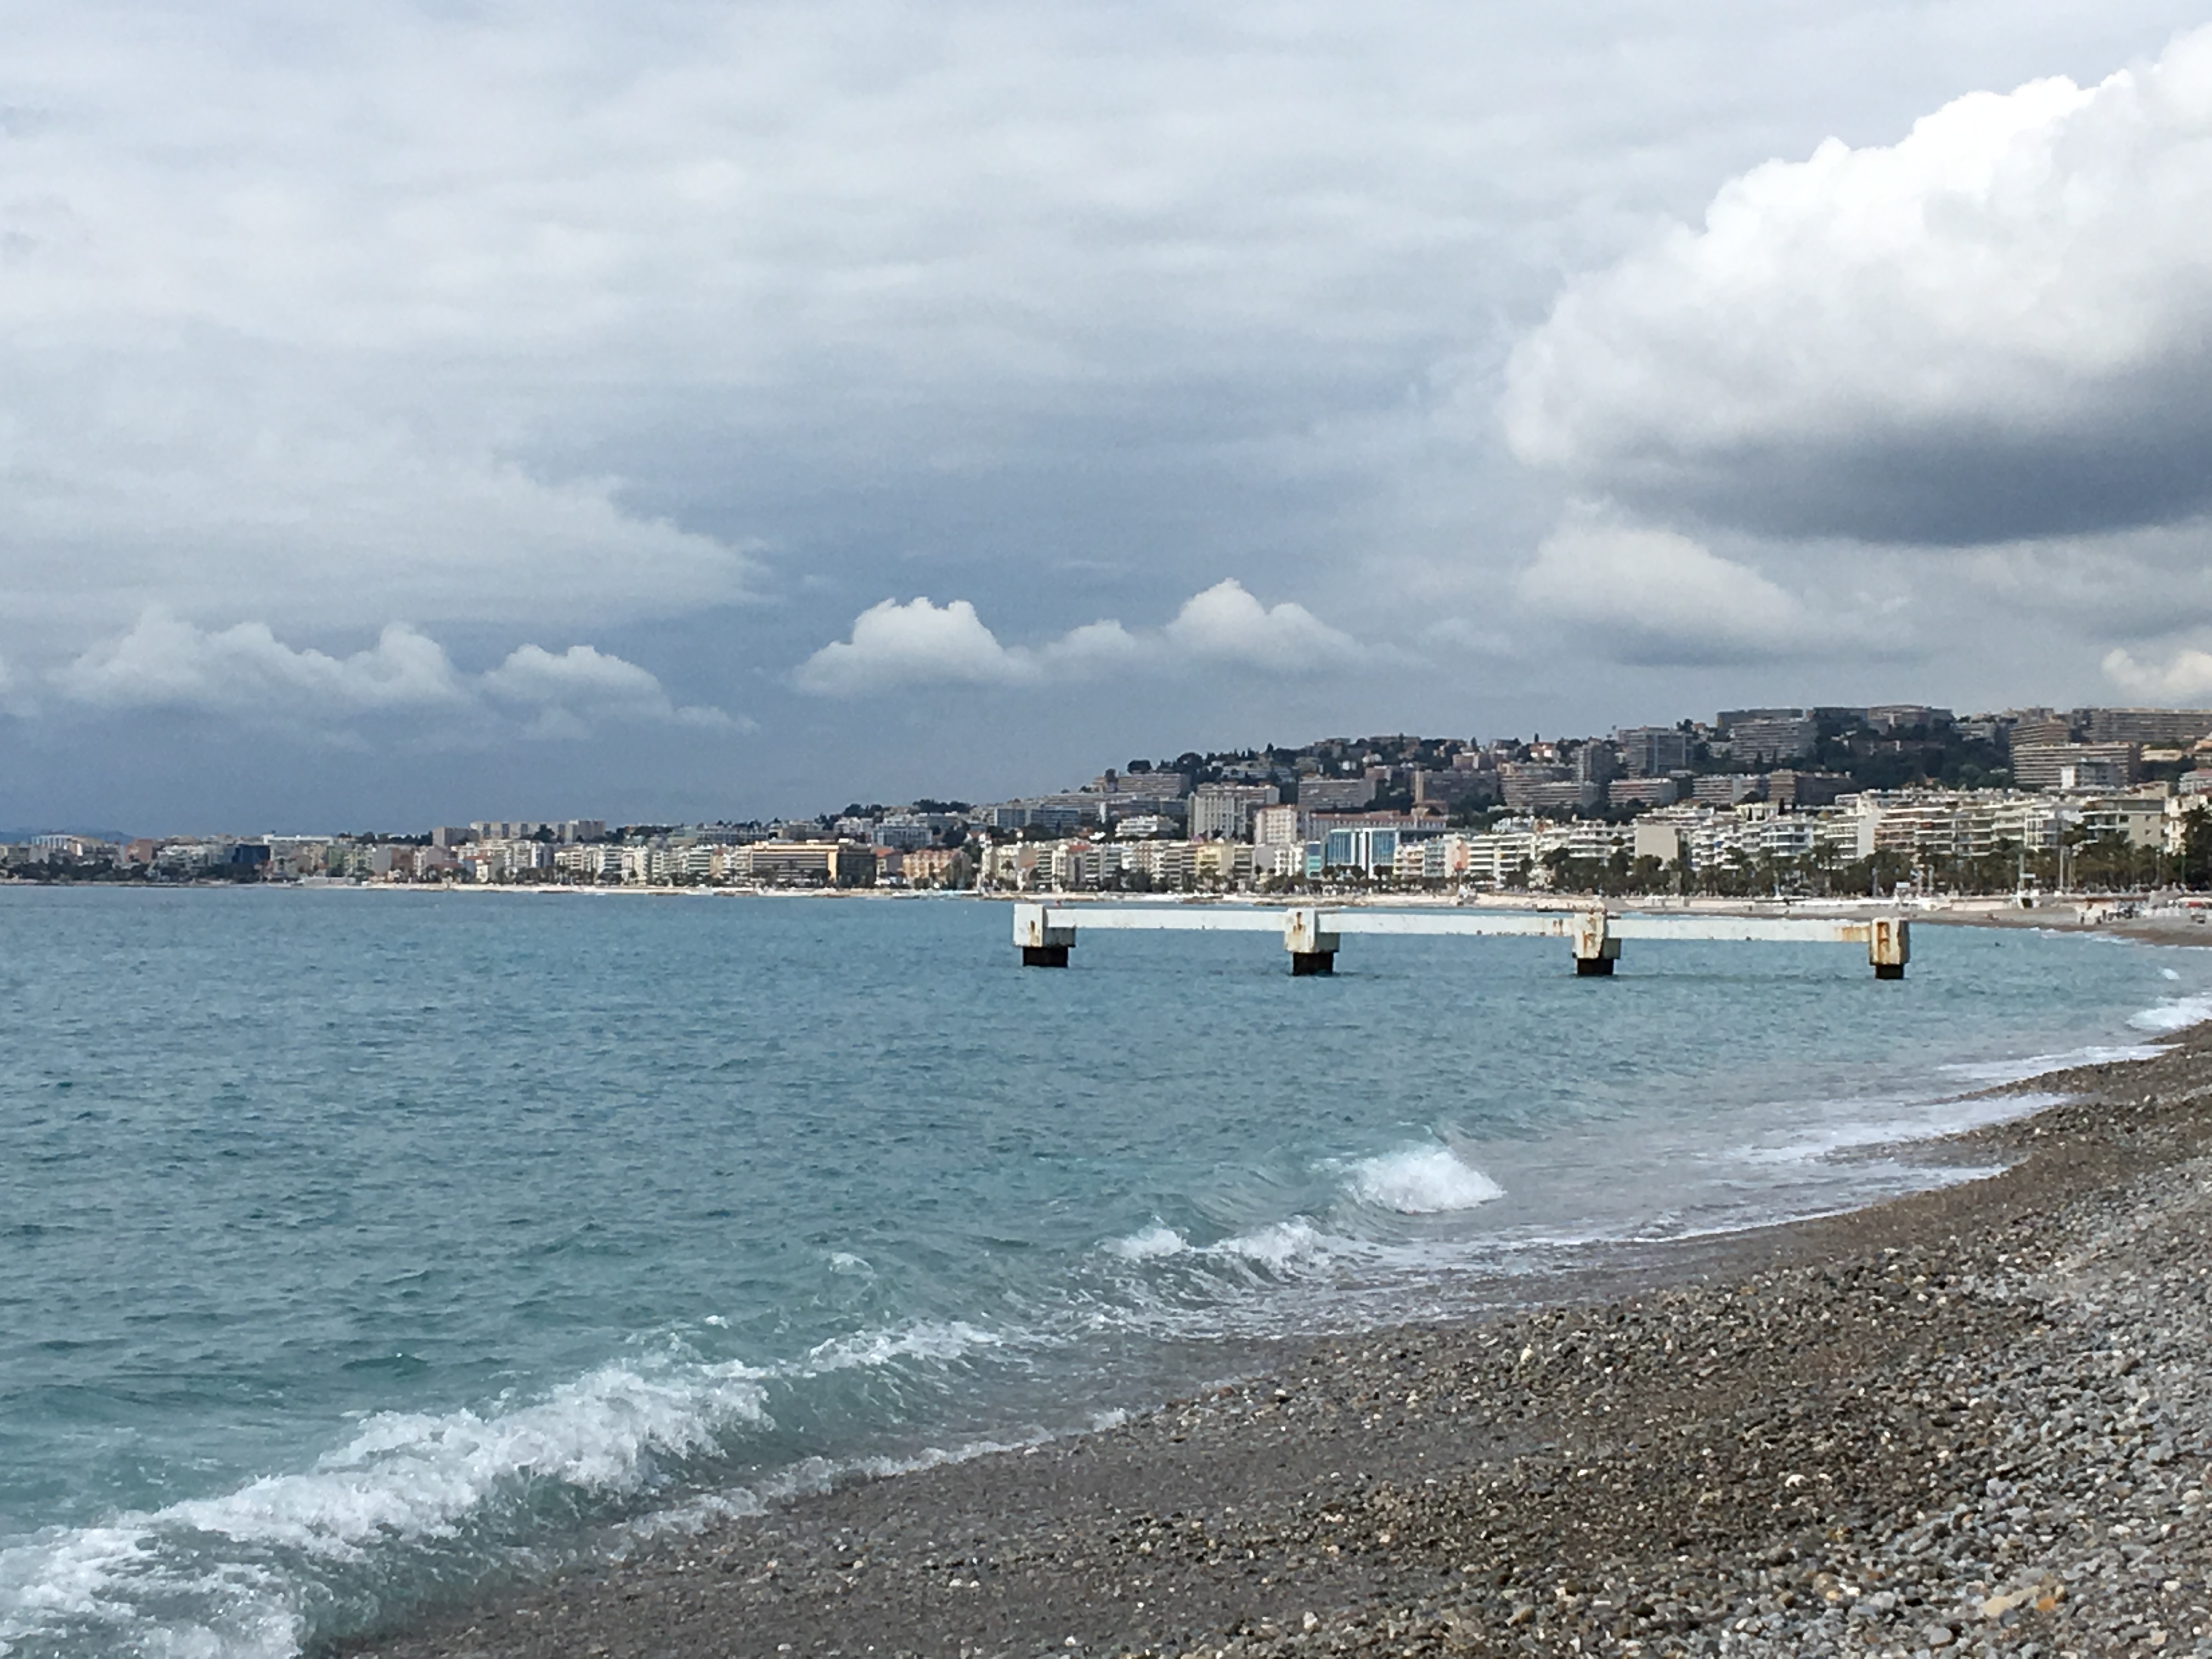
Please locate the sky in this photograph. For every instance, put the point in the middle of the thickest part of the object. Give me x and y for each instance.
(674, 409)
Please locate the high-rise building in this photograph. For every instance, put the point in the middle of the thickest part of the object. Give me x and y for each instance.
(1335, 795)
(1785, 735)
(1223, 812)
(2163, 728)
(1652, 751)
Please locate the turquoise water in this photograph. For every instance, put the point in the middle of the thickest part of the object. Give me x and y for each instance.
(358, 1248)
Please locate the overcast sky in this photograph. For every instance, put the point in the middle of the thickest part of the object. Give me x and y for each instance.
(664, 410)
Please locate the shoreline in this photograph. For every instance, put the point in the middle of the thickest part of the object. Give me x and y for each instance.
(1965, 1418)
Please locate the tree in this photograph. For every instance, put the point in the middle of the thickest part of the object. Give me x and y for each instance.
(2197, 849)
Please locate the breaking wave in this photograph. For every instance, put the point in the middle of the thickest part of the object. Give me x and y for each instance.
(2175, 1014)
(1421, 1180)
(248, 1562)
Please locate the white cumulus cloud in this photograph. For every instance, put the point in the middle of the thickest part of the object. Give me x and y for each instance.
(583, 676)
(1646, 595)
(166, 662)
(2182, 678)
(894, 644)
(1228, 624)
(922, 643)
(1999, 326)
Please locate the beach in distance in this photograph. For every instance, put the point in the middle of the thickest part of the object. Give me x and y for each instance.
(766, 1277)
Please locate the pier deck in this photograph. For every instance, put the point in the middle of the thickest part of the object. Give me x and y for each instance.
(1312, 935)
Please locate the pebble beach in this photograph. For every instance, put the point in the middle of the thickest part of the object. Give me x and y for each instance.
(1972, 1420)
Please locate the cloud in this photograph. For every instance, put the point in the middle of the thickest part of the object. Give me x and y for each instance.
(894, 644)
(584, 676)
(166, 662)
(246, 672)
(1999, 327)
(921, 642)
(1227, 624)
(1642, 595)
(170, 499)
(2182, 678)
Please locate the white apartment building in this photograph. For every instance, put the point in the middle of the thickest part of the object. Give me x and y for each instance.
(1223, 812)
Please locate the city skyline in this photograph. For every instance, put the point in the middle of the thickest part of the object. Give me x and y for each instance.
(1401, 787)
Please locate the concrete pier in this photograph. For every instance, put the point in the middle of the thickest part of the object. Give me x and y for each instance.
(1313, 936)
(1312, 948)
(1045, 943)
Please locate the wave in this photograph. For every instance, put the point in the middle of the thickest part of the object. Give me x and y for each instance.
(1279, 1244)
(1998, 1071)
(404, 1477)
(937, 1339)
(1421, 1180)
(2174, 1014)
(1149, 1244)
(1929, 1123)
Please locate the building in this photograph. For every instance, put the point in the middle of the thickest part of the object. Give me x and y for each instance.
(589, 865)
(2044, 765)
(2163, 728)
(937, 867)
(1801, 791)
(1642, 791)
(1223, 812)
(1146, 827)
(1763, 736)
(1362, 847)
(2138, 820)
(1894, 718)
(1652, 751)
(1335, 794)
(1170, 785)
(1538, 786)
(1729, 789)
(904, 830)
(565, 830)
(1563, 795)
(801, 863)
(1166, 865)
(1596, 762)
(1221, 863)
(1462, 786)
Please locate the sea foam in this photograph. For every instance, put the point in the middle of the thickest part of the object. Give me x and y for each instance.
(403, 1477)
(1149, 1244)
(1421, 1180)
(2175, 1014)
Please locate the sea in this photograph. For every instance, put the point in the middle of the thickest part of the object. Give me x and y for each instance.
(360, 1251)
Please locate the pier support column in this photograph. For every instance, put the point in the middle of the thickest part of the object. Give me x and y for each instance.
(1595, 950)
(1042, 946)
(1312, 951)
(1889, 946)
